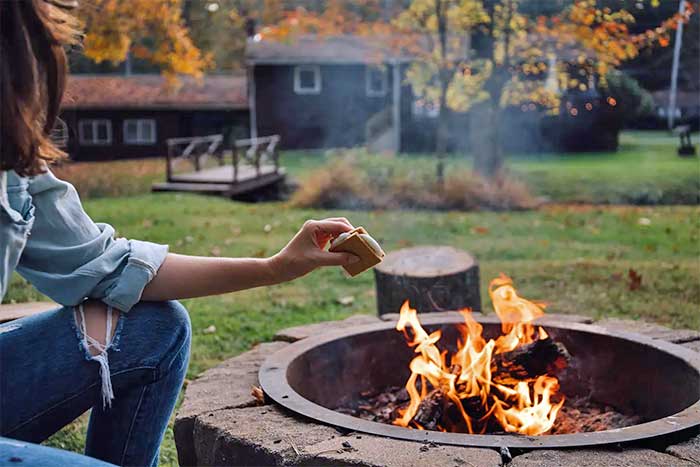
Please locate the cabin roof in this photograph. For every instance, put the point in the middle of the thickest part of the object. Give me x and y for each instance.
(213, 92)
(344, 49)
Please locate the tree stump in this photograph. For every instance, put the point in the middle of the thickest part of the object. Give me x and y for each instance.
(431, 278)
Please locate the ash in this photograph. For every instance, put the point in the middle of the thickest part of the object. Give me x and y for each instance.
(578, 415)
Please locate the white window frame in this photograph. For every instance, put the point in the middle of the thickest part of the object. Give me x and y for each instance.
(298, 89)
(60, 135)
(140, 139)
(368, 81)
(94, 123)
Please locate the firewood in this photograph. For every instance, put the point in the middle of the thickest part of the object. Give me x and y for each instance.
(430, 410)
(543, 356)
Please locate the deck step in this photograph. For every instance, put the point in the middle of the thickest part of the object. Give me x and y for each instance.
(192, 187)
(20, 310)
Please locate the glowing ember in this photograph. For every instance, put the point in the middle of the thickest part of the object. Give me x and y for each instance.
(481, 387)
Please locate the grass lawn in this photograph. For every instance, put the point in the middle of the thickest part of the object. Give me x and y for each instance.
(575, 257)
(645, 170)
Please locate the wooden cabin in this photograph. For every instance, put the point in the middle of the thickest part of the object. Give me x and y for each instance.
(109, 117)
(338, 91)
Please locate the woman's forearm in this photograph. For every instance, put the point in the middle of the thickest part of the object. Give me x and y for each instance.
(183, 276)
(193, 276)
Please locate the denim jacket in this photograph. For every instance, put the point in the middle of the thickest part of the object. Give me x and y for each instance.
(46, 236)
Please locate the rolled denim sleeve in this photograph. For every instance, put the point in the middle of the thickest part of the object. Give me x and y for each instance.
(68, 257)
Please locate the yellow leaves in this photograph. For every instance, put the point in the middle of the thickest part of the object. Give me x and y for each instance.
(152, 29)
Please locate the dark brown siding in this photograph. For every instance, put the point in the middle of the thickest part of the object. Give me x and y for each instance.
(334, 118)
(169, 124)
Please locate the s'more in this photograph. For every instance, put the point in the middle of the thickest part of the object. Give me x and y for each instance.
(362, 245)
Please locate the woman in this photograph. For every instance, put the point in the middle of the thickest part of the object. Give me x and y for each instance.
(118, 345)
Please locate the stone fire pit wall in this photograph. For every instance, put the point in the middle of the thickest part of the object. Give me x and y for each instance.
(220, 423)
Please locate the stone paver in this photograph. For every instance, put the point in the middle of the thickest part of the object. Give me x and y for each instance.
(361, 449)
(270, 436)
(394, 317)
(689, 450)
(302, 332)
(692, 345)
(220, 423)
(565, 318)
(655, 331)
(598, 458)
(225, 386)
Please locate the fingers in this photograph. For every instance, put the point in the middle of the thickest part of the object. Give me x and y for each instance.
(329, 227)
(340, 219)
(325, 258)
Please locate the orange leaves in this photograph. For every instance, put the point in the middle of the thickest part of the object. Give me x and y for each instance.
(152, 29)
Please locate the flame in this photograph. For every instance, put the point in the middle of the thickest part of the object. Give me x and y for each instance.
(518, 406)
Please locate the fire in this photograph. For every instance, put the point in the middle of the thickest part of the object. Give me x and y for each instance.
(472, 391)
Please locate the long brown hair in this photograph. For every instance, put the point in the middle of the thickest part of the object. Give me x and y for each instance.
(33, 69)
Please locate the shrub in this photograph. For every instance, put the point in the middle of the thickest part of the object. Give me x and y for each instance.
(112, 178)
(345, 182)
(336, 185)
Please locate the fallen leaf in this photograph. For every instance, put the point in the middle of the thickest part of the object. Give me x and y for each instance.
(147, 223)
(634, 279)
(480, 230)
(258, 395)
(644, 221)
(216, 251)
(209, 330)
(346, 301)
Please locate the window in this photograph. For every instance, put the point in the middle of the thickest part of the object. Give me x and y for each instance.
(375, 81)
(423, 107)
(60, 133)
(140, 131)
(95, 132)
(307, 79)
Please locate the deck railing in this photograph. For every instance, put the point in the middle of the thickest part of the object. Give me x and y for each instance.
(258, 150)
(197, 149)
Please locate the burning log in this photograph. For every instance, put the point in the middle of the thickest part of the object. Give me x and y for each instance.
(431, 409)
(543, 356)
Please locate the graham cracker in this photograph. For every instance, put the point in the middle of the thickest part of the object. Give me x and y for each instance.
(355, 245)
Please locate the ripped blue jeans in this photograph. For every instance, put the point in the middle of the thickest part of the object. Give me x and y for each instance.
(48, 378)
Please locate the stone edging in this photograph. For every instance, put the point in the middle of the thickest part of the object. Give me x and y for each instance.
(221, 423)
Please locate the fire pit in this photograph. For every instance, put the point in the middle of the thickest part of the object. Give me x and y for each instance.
(633, 387)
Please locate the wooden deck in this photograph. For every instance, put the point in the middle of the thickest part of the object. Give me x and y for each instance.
(250, 166)
(219, 180)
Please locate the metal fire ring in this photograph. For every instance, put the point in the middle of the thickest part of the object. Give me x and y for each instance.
(273, 379)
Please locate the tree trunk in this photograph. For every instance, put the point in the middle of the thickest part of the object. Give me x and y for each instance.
(442, 134)
(431, 278)
(485, 139)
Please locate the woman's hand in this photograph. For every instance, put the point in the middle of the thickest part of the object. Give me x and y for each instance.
(306, 251)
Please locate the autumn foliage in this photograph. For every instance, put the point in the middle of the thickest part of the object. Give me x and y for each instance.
(153, 30)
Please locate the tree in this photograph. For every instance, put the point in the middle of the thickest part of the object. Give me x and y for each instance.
(514, 59)
(153, 30)
(487, 55)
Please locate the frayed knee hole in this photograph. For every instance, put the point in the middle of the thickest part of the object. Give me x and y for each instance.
(96, 317)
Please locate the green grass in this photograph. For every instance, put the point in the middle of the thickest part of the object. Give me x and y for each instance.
(645, 170)
(575, 257)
